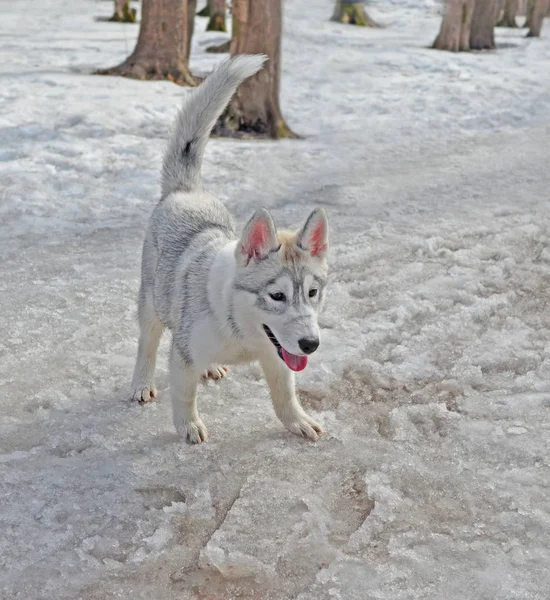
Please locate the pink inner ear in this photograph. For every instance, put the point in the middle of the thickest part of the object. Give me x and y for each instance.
(258, 240)
(317, 240)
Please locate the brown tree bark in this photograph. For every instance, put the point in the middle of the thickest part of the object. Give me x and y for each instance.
(123, 13)
(509, 16)
(225, 46)
(482, 31)
(163, 45)
(454, 34)
(538, 9)
(254, 110)
(216, 9)
(353, 13)
(220, 49)
(499, 10)
(529, 11)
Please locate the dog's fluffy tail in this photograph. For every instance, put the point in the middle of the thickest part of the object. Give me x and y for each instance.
(202, 107)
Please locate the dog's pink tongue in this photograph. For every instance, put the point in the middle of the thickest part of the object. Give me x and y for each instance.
(296, 363)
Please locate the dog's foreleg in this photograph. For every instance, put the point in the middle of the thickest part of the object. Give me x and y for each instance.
(183, 390)
(281, 386)
(143, 386)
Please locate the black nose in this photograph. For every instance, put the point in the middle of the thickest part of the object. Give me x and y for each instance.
(308, 346)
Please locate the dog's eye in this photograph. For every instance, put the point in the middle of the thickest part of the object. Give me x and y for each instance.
(312, 293)
(278, 296)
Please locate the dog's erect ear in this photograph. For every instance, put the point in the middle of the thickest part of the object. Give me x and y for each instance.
(258, 239)
(314, 235)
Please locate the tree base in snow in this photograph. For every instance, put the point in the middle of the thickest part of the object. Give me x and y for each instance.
(482, 43)
(220, 49)
(482, 31)
(454, 33)
(452, 46)
(353, 14)
(152, 70)
(450, 43)
(216, 23)
(234, 124)
(128, 16)
(536, 9)
(504, 22)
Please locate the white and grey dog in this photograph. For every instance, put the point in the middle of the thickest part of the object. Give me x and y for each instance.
(225, 300)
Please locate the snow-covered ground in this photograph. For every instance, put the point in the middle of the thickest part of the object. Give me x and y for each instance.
(433, 378)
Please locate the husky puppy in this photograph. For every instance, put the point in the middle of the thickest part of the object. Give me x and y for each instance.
(225, 299)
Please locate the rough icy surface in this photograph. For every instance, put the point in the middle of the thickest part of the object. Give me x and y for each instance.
(433, 378)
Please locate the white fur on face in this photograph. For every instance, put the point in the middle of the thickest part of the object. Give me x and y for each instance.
(278, 272)
(276, 292)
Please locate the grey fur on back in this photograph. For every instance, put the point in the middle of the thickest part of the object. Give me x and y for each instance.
(201, 108)
(189, 225)
(181, 244)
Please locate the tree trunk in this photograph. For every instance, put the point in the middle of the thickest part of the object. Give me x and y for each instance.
(499, 10)
(509, 16)
(123, 13)
(538, 10)
(225, 46)
(163, 45)
(216, 9)
(254, 109)
(529, 11)
(220, 49)
(353, 13)
(454, 34)
(482, 34)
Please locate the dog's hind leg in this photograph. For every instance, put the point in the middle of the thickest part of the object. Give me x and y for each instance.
(281, 385)
(143, 386)
(184, 379)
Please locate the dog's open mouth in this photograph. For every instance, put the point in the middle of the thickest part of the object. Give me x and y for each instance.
(292, 361)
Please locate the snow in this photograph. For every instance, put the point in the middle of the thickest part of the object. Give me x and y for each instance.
(433, 377)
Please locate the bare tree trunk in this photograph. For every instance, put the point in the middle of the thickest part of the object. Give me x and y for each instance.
(482, 34)
(225, 46)
(538, 10)
(254, 109)
(220, 49)
(499, 10)
(454, 34)
(509, 16)
(353, 13)
(216, 9)
(163, 45)
(123, 13)
(529, 11)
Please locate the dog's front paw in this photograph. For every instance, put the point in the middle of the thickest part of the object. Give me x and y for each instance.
(303, 425)
(193, 432)
(142, 394)
(215, 372)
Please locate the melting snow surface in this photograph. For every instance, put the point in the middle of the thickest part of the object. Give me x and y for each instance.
(433, 378)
